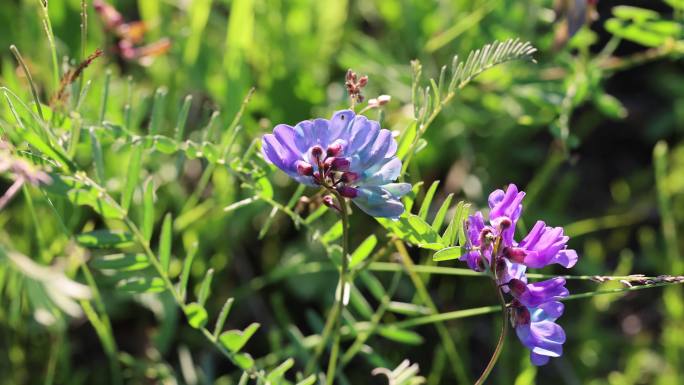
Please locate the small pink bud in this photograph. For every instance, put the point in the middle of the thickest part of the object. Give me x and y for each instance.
(304, 168)
(330, 202)
(384, 99)
(363, 81)
(317, 151)
(334, 149)
(515, 254)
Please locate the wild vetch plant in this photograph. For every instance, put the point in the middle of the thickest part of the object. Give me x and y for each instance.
(128, 209)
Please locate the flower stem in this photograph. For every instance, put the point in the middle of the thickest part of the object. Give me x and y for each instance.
(341, 294)
(502, 338)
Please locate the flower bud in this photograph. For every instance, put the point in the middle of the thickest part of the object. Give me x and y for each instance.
(515, 254)
(363, 81)
(304, 168)
(330, 202)
(519, 314)
(340, 164)
(348, 192)
(334, 149)
(317, 152)
(350, 177)
(517, 287)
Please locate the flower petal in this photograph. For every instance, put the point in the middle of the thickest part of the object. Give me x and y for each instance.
(378, 202)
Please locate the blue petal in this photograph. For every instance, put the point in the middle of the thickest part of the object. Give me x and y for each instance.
(378, 202)
(278, 154)
(382, 173)
(340, 124)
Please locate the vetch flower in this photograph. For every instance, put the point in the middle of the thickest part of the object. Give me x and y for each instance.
(537, 330)
(491, 246)
(348, 153)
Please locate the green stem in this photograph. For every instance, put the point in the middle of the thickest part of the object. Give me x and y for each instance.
(502, 338)
(341, 294)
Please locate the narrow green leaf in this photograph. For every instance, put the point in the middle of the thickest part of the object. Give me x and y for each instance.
(335, 232)
(441, 214)
(276, 375)
(105, 239)
(234, 340)
(450, 235)
(185, 273)
(148, 210)
(221, 320)
(183, 118)
(425, 206)
(449, 253)
(400, 335)
(141, 285)
(244, 361)
(205, 289)
(311, 380)
(165, 242)
(197, 315)
(157, 111)
(413, 229)
(132, 176)
(410, 198)
(363, 251)
(81, 193)
(97, 158)
(121, 262)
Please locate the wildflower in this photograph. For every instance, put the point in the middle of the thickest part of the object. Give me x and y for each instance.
(492, 247)
(537, 330)
(348, 153)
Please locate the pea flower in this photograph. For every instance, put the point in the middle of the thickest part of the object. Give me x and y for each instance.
(491, 246)
(348, 153)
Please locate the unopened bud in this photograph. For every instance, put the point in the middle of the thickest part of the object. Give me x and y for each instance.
(340, 164)
(350, 177)
(334, 149)
(517, 287)
(304, 168)
(348, 192)
(316, 151)
(363, 81)
(515, 254)
(330, 202)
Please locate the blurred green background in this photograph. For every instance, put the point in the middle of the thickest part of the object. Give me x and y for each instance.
(593, 132)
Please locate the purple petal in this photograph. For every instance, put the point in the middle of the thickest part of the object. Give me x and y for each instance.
(506, 204)
(278, 154)
(538, 293)
(538, 359)
(550, 311)
(546, 245)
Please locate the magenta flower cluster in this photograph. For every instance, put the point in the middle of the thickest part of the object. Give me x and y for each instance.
(348, 153)
(534, 307)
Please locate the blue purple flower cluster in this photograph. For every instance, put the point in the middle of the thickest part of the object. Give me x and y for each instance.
(348, 153)
(492, 247)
